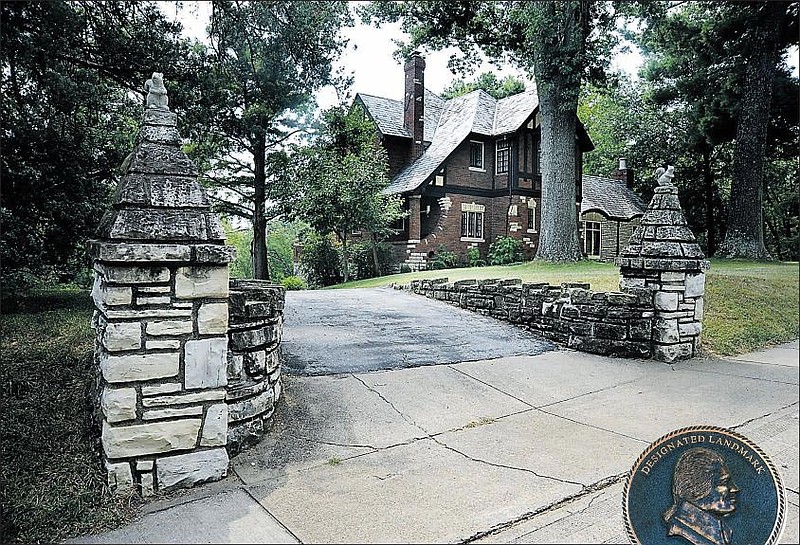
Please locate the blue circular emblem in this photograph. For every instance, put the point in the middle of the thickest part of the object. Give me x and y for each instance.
(704, 485)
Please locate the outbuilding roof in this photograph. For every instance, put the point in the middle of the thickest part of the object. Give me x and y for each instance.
(610, 197)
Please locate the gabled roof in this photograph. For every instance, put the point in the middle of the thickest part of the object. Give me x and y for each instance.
(612, 198)
(447, 124)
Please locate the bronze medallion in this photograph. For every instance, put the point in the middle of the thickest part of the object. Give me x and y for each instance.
(704, 485)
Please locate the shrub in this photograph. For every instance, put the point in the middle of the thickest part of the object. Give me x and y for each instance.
(443, 259)
(362, 262)
(321, 261)
(294, 283)
(404, 268)
(505, 250)
(474, 258)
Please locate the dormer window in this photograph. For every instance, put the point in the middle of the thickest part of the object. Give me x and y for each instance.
(438, 179)
(476, 155)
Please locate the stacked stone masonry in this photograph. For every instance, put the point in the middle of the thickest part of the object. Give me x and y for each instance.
(254, 368)
(658, 313)
(161, 295)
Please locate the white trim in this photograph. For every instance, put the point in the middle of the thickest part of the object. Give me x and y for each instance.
(472, 239)
(497, 153)
(481, 168)
(472, 207)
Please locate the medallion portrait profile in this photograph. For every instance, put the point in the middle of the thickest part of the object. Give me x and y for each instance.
(704, 496)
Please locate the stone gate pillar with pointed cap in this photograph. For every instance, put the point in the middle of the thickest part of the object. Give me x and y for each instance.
(664, 257)
(161, 297)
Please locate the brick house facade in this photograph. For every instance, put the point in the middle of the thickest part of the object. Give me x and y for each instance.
(468, 169)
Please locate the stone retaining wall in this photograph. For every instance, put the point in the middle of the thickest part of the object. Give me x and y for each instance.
(254, 369)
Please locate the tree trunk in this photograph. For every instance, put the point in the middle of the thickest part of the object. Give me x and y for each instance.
(745, 236)
(375, 260)
(708, 186)
(260, 260)
(345, 257)
(558, 239)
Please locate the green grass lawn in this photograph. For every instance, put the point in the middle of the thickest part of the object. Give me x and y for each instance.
(748, 305)
(52, 485)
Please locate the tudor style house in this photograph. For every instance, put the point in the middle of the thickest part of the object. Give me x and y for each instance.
(468, 171)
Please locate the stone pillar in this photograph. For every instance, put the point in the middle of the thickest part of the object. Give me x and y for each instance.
(254, 368)
(663, 256)
(161, 318)
(414, 219)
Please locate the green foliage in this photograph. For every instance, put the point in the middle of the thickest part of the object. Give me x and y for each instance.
(474, 258)
(292, 283)
(443, 259)
(320, 260)
(363, 259)
(340, 180)
(505, 250)
(281, 239)
(487, 81)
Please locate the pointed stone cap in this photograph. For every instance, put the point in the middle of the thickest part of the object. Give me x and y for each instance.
(159, 198)
(663, 241)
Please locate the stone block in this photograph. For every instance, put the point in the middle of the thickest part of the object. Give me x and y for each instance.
(160, 134)
(167, 388)
(134, 367)
(695, 285)
(118, 404)
(212, 319)
(120, 336)
(104, 295)
(169, 327)
(610, 331)
(161, 414)
(170, 344)
(185, 470)
(154, 116)
(148, 313)
(147, 485)
(666, 331)
(273, 360)
(133, 274)
(144, 465)
(120, 477)
(248, 408)
(201, 281)
(127, 252)
(666, 300)
(235, 366)
(672, 352)
(183, 399)
(205, 363)
(152, 289)
(691, 329)
(620, 299)
(247, 389)
(641, 330)
(672, 276)
(251, 338)
(698, 309)
(149, 158)
(156, 224)
(215, 426)
(162, 300)
(150, 438)
(213, 253)
(255, 362)
(176, 191)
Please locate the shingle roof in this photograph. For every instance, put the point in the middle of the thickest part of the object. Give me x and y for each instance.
(447, 124)
(611, 198)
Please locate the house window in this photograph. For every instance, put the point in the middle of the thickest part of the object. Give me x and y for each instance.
(503, 155)
(472, 217)
(532, 218)
(476, 155)
(591, 238)
(438, 180)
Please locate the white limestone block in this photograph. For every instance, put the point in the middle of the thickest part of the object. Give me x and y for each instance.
(204, 363)
(215, 427)
(690, 329)
(135, 367)
(161, 414)
(169, 327)
(179, 399)
(167, 388)
(666, 300)
(212, 319)
(120, 477)
(122, 336)
(133, 274)
(698, 309)
(169, 344)
(201, 281)
(695, 285)
(118, 404)
(185, 470)
(104, 295)
(150, 438)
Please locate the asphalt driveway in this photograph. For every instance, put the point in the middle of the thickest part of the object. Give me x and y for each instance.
(358, 330)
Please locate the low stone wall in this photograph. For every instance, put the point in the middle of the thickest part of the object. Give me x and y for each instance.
(611, 324)
(254, 369)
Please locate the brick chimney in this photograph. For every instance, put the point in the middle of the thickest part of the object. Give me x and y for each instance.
(623, 173)
(414, 102)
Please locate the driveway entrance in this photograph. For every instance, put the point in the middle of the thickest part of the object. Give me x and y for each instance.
(357, 330)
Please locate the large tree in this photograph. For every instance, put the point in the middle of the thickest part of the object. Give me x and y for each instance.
(267, 59)
(339, 181)
(552, 40)
(770, 27)
(72, 84)
(487, 81)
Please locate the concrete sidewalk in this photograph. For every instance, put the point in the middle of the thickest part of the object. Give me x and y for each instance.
(524, 449)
